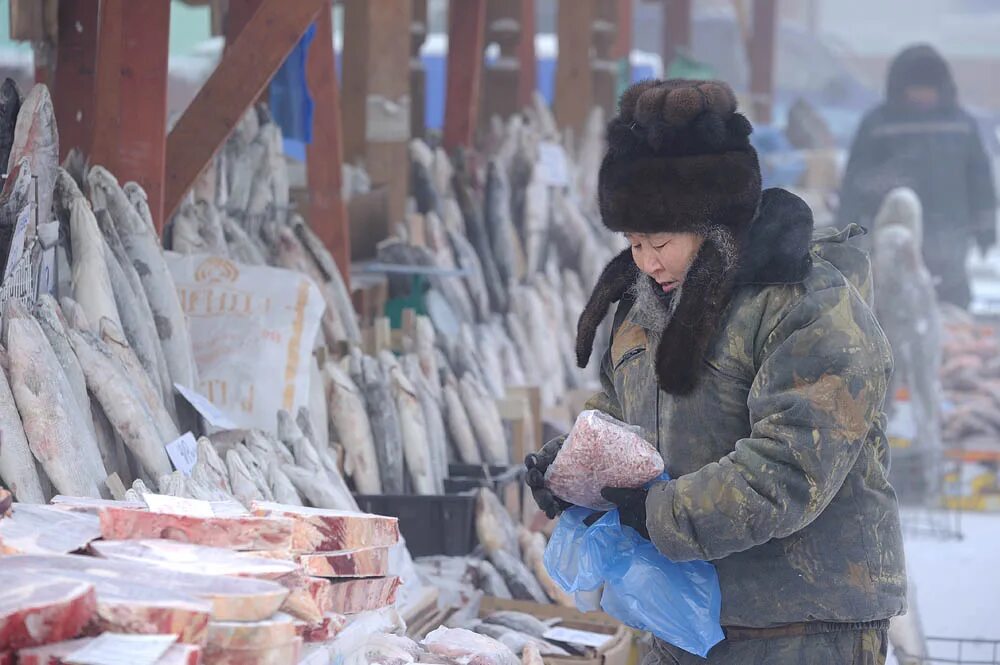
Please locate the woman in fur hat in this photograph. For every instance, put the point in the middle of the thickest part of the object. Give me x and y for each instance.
(745, 345)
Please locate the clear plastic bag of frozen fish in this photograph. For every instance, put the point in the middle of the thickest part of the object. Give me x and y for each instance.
(677, 602)
(600, 452)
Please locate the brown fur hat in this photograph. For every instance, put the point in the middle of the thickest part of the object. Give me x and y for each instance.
(679, 159)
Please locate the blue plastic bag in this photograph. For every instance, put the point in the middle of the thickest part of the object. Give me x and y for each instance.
(677, 602)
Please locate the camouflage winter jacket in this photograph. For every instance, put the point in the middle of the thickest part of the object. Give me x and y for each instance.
(779, 456)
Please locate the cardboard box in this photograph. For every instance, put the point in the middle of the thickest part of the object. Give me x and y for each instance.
(618, 651)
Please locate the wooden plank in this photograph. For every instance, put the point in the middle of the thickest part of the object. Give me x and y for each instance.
(762, 58)
(387, 128)
(528, 63)
(236, 16)
(354, 78)
(73, 85)
(466, 25)
(143, 97)
(237, 81)
(676, 29)
(502, 77)
(623, 36)
(107, 87)
(604, 64)
(418, 73)
(324, 155)
(574, 85)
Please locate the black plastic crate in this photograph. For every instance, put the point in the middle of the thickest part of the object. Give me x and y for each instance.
(470, 477)
(430, 524)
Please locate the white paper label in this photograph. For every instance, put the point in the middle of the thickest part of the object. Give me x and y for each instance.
(552, 163)
(175, 505)
(183, 452)
(581, 637)
(17, 242)
(118, 649)
(210, 412)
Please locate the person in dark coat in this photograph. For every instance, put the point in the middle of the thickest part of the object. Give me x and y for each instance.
(745, 347)
(921, 138)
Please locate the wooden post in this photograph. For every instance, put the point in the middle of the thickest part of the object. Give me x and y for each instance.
(604, 64)
(238, 13)
(622, 47)
(418, 73)
(762, 58)
(238, 79)
(107, 87)
(501, 79)
(528, 63)
(676, 29)
(327, 213)
(466, 25)
(143, 99)
(73, 89)
(574, 85)
(376, 95)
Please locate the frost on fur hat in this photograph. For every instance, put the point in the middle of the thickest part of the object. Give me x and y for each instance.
(679, 159)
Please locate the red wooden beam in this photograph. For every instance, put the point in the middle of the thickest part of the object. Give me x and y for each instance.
(107, 87)
(622, 47)
(238, 14)
(143, 89)
(676, 29)
(238, 79)
(324, 156)
(762, 58)
(466, 28)
(526, 55)
(574, 84)
(73, 80)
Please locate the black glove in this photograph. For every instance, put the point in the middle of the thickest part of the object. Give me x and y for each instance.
(536, 464)
(631, 507)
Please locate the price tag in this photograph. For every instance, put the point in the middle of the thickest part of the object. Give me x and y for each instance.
(118, 649)
(208, 411)
(552, 163)
(17, 242)
(175, 505)
(183, 452)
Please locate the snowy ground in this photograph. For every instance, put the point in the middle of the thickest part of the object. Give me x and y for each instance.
(958, 585)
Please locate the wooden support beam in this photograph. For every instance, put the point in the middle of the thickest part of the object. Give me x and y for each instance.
(676, 29)
(73, 79)
(466, 25)
(376, 95)
(107, 87)
(418, 73)
(130, 100)
(622, 47)
(324, 155)
(528, 62)
(238, 13)
(762, 58)
(237, 81)
(502, 77)
(143, 97)
(574, 85)
(604, 64)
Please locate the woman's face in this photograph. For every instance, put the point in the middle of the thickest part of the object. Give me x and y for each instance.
(665, 257)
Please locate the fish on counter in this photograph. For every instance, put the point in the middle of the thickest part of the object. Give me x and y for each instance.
(350, 420)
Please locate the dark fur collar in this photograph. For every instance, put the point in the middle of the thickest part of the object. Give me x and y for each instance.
(775, 251)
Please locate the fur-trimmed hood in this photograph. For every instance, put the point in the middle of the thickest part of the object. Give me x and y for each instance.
(775, 251)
